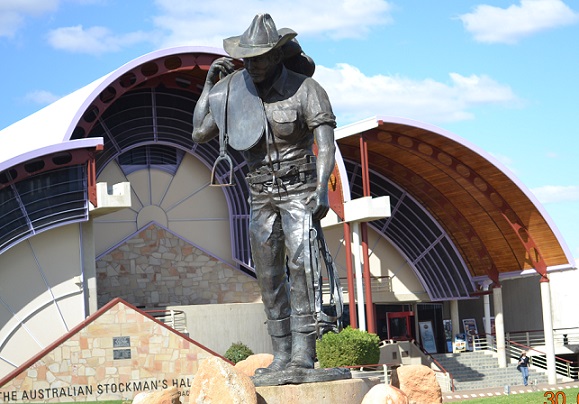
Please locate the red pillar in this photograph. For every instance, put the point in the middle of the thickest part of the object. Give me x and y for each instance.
(371, 322)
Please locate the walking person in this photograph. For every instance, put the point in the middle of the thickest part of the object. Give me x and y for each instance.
(523, 366)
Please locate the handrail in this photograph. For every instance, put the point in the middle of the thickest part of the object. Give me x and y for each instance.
(437, 363)
(563, 367)
(526, 347)
(174, 318)
(562, 336)
(386, 371)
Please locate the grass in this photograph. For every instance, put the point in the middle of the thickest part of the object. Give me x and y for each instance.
(566, 396)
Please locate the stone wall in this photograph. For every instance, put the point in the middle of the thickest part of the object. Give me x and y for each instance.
(156, 268)
(115, 354)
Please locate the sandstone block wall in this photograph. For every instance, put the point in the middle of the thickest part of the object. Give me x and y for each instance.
(157, 269)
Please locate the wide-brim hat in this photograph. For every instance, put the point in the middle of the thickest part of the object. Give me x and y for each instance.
(261, 37)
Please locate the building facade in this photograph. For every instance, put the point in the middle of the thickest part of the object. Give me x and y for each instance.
(103, 194)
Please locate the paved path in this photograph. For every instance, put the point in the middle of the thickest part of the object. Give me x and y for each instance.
(491, 392)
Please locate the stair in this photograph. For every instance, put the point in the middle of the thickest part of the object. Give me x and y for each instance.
(480, 369)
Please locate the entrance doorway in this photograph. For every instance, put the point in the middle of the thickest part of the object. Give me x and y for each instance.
(400, 325)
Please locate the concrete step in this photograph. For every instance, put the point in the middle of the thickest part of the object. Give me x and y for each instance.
(477, 370)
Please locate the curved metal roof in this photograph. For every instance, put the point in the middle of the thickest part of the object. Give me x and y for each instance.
(55, 123)
(458, 200)
(494, 221)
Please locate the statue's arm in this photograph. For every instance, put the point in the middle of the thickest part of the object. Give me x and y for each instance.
(324, 135)
(204, 126)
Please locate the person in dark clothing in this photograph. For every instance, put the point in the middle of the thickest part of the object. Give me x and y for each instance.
(523, 366)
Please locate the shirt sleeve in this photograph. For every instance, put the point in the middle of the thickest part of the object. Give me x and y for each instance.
(318, 110)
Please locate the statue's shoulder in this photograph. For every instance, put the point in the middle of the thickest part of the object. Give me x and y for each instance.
(299, 80)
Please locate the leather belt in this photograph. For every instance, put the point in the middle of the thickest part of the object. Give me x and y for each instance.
(286, 170)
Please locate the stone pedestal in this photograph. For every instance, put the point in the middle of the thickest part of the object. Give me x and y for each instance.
(300, 376)
(350, 391)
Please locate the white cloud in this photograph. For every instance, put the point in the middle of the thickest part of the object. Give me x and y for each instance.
(557, 193)
(208, 23)
(14, 12)
(93, 40)
(356, 96)
(41, 97)
(491, 24)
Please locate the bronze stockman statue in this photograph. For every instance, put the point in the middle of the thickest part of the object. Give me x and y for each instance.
(272, 111)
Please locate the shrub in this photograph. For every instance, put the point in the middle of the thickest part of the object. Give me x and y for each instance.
(351, 347)
(238, 352)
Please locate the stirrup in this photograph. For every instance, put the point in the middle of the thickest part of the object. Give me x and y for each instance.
(213, 182)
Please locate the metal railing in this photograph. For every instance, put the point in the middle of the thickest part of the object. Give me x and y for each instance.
(175, 319)
(381, 283)
(561, 336)
(538, 358)
(381, 371)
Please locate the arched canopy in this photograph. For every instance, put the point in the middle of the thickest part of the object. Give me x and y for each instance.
(494, 222)
(474, 219)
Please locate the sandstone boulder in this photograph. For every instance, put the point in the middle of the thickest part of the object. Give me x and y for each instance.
(419, 383)
(216, 381)
(385, 394)
(253, 362)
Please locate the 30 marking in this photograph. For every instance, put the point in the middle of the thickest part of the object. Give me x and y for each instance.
(557, 397)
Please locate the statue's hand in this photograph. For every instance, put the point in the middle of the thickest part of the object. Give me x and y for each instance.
(322, 204)
(220, 68)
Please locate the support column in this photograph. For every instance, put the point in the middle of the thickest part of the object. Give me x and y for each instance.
(371, 322)
(487, 315)
(487, 310)
(416, 322)
(548, 330)
(358, 275)
(454, 318)
(500, 326)
(350, 276)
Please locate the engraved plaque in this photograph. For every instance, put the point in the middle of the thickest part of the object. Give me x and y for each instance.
(121, 342)
(122, 354)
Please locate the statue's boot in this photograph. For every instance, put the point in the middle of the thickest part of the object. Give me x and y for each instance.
(303, 342)
(281, 341)
(303, 351)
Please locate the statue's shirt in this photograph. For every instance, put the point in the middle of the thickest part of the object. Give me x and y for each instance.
(294, 106)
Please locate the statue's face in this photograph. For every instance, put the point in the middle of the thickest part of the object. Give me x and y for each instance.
(262, 67)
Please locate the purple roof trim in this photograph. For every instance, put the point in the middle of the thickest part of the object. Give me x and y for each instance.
(55, 148)
(114, 75)
(375, 121)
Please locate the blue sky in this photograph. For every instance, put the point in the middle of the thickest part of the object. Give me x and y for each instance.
(504, 75)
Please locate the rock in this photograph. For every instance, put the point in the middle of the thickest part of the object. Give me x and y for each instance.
(216, 381)
(419, 383)
(385, 394)
(168, 396)
(253, 362)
